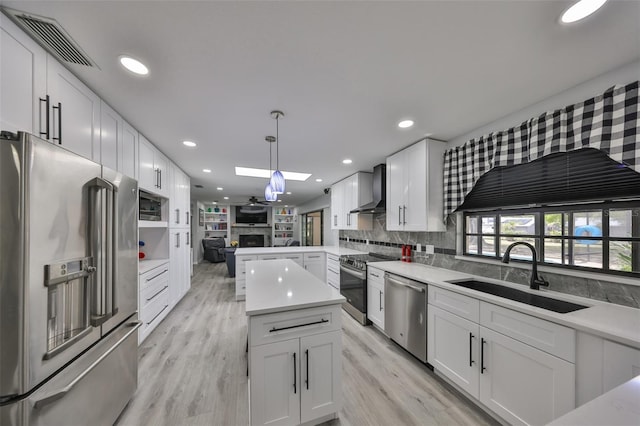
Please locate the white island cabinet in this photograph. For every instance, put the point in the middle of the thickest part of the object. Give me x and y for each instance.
(295, 344)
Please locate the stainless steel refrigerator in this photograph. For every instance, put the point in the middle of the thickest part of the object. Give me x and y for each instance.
(68, 286)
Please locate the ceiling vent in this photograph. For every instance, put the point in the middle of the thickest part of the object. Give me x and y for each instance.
(198, 186)
(50, 35)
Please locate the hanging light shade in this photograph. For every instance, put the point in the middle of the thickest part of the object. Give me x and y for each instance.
(269, 195)
(277, 179)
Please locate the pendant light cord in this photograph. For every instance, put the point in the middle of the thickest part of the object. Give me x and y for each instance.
(277, 144)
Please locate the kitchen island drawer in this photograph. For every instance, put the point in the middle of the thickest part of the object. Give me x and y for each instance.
(456, 303)
(276, 327)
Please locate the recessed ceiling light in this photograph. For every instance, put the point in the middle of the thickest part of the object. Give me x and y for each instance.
(206, 170)
(286, 205)
(279, 201)
(226, 198)
(404, 124)
(219, 188)
(265, 173)
(134, 65)
(347, 161)
(189, 144)
(214, 202)
(581, 10)
(288, 192)
(318, 180)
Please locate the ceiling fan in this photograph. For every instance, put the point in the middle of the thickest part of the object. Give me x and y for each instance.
(253, 200)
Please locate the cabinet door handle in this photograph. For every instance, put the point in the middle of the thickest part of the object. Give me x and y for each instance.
(47, 101)
(404, 215)
(160, 173)
(374, 275)
(177, 215)
(322, 321)
(380, 299)
(188, 241)
(471, 361)
(178, 240)
(306, 352)
(399, 215)
(59, 138)
(186, 214)
(482, 342)
(295, 380)
(156, 172)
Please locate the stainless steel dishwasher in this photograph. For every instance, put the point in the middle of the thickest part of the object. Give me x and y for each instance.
(405, 316)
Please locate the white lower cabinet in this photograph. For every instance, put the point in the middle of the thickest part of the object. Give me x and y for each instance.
(154, 299)
(375, 297)
(295, 365)
(520, 383)
(241, 277)
(316, 264)
(333, 271)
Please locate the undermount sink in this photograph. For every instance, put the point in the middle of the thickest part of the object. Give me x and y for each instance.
(559, 306)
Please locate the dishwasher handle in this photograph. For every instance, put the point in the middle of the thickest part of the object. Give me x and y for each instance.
(390, 279)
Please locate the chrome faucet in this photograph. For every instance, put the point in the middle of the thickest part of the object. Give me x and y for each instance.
(536, 280)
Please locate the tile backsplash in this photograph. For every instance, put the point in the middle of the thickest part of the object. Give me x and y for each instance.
(390, 243)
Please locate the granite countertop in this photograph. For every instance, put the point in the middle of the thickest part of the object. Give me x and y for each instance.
(147, 265)
(614, 322)
(283, 285)
(338, 251)
(619, 406)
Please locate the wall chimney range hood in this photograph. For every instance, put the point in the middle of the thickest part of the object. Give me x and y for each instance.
(379, 203)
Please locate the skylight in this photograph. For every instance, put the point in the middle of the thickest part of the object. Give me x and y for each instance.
(266, 174)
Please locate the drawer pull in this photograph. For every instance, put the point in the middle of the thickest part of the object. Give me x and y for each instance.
(374, 275)
(160, 291)
(158, 314)
(156, 276)
(299, 325)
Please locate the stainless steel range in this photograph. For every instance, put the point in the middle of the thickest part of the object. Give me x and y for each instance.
(353, 282)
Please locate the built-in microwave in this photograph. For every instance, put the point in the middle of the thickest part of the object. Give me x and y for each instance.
(150, 207)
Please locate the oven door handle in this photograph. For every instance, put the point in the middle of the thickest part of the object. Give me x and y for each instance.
(358, 274)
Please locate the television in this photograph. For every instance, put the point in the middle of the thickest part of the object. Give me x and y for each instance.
(252, 214)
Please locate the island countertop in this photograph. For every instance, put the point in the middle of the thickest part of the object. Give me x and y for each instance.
(283, 285)
(335, 250)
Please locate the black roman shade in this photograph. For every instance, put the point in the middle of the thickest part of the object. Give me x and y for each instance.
(576, 176)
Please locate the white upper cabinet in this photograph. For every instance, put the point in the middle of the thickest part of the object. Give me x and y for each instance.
(153, 172)
(414, 188)
(128, 154)
(23, 80)
(110, 136)
(348, 194)
(179, 198)
(74, 112)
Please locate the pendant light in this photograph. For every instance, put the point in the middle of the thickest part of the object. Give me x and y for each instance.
(277, 179)
(269, 195)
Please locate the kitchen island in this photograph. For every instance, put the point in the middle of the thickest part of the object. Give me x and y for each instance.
(294, 343)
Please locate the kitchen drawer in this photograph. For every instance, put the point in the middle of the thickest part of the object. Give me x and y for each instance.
(547, 336)
(154, 312)
(456, 303)
(270, 328)
(241, 262)
(241, 288)
(295, 257)
(270, 256)
(153, 290)
(154, 275)
(314, 257)
(375, 276)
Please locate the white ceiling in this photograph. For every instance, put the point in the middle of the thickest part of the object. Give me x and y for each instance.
(343, 72)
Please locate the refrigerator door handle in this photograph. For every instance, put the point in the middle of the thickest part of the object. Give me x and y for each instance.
(58, 394)
(103, 297)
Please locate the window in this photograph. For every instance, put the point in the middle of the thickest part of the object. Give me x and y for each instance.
(598, 237)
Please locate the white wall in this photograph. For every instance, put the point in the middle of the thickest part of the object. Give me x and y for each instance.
(578, 93)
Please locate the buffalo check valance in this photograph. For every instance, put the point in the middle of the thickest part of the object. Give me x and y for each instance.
(607, 122)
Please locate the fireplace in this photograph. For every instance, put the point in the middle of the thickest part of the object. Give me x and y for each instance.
(251, 240)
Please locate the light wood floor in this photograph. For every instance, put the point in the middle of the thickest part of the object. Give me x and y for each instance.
(193, 367)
